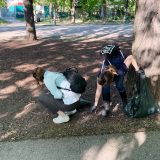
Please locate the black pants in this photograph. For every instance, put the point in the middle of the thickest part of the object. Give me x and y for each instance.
(119, 85)
(55, 105)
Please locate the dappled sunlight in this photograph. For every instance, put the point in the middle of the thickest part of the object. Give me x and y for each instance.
(115, 108)
(85, 65)
(57, 56)
(84, 119)
(4, 96)
(79, 48)
(6, 76)
(95, 70)
(2, 115)
(27, 109)
(157, 119)
(25, 83)
(91, 153)
(35, 90)
(7, 135)
(93, 38)
(5, 92)
(86, 77)
(51, 44)
(43, 65)
(25, 67)
(60, 58)
(109, 151)
(140, 137)
(84, 56)
(119, 148)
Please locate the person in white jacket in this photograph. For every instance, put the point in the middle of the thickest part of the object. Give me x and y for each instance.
(60, 99)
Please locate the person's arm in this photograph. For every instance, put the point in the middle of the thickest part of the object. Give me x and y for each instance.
(131, 60)
(98, 94)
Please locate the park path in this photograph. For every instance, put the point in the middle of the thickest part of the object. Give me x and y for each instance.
(137, 146)
(16, 30)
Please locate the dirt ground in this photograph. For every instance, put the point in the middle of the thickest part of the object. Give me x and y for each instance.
(21, 117)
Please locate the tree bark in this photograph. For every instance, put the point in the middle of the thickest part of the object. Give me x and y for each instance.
(51, 10)
(73, 10)
(29, 17)
(55, 14)
(126, 10)
(146, 44)
(104, 10)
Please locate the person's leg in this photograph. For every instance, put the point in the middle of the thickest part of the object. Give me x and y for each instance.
(55, 105)
(106, 93)
(64, 112)
(131, 60)
(106, 99)
(119, 80)
(48, 101)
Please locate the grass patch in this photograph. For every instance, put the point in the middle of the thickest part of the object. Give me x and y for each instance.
(3, 21)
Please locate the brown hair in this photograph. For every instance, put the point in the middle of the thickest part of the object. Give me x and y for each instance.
(38, 74)
(107, 75)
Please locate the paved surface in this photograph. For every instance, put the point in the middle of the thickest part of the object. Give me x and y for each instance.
(16, 30)
(137, 146)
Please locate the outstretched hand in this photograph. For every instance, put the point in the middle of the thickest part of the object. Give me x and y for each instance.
(93, 108)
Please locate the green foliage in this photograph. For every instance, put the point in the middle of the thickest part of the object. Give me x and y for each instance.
(90, 6)
(90, 9)
(3, 3)
(2, 21)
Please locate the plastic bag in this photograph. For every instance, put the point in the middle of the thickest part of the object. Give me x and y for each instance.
(142, 102)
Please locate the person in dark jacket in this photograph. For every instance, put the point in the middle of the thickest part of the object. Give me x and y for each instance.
(114, 68)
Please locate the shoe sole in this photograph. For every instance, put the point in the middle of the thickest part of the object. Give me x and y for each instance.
(61, 122)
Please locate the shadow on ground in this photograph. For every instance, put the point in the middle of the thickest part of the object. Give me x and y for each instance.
(23, 118)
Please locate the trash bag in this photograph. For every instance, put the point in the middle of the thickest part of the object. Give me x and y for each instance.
(142, 103)
(84, 102)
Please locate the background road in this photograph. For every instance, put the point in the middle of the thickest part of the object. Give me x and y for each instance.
(72, 32)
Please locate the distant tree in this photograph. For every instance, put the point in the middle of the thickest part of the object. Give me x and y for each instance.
(3, 3)
(53, 6)
(104, 7)
(126, 10)
(146, 44)
(29, 18)
(90, 6)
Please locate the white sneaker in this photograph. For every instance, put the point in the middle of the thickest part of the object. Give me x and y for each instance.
(71, 112)
(61, 119)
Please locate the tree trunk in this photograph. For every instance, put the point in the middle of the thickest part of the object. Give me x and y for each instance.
(73, 10)
(51, 10)
(104, 10)
(126, 11)
(29, 17)
(55, 14)
(146, 45)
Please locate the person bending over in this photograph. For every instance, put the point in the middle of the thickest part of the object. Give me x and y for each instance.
(60, 99)
(114, 68)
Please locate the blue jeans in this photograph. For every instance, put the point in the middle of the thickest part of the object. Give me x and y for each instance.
(119, 85)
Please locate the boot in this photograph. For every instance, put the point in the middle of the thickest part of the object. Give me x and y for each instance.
(123, 97)
(106, 109)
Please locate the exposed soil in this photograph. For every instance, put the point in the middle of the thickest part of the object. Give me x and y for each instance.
(21, 117)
